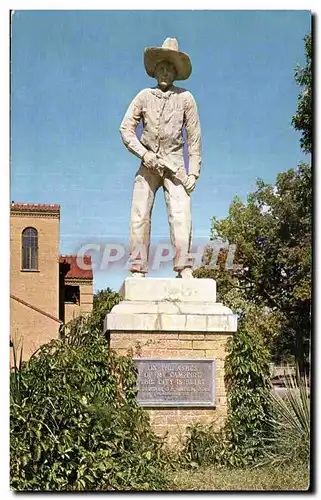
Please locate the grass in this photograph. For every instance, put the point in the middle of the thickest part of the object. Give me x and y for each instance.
(265, 479)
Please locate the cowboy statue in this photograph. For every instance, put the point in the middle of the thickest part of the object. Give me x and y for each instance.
(164, 111)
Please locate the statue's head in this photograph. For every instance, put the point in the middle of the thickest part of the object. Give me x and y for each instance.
(167, 62)
(165, 74)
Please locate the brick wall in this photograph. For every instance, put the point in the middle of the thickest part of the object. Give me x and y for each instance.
(168, 345)
(30, 328)
(38, 288)
(86, 300)
(86, 297)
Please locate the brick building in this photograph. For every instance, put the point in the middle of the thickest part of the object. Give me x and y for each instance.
(46, 290)
(76, 286)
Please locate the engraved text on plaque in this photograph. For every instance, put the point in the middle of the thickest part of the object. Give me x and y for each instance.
(175, 382)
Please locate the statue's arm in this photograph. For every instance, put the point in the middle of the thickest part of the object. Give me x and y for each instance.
(128, 127)
(193, 129)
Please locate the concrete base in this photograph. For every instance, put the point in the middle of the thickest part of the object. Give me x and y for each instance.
(171, 304)
(167, 318)
(169, 289)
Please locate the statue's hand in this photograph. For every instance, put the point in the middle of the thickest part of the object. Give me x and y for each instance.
(190, 183)
(150, 160)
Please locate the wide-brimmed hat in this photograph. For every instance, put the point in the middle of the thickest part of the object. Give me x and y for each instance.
(168, 52)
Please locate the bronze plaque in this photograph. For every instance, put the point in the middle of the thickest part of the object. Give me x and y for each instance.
(175, 382)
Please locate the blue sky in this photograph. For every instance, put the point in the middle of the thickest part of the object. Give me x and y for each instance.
(73, 75)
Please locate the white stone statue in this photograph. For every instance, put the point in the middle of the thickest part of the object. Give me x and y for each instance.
(164, 111)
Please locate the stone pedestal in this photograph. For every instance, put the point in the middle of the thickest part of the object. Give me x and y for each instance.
(167, 319)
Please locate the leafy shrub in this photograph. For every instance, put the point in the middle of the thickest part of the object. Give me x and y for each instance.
(205, 445)
(247, 376)
(75, 424)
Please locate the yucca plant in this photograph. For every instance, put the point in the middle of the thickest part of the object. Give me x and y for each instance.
(290, 425)
(16, 372)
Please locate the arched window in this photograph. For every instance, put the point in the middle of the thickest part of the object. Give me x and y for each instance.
(30, 248)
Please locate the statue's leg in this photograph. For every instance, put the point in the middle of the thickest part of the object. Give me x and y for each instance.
(178, 204)
(145, 187)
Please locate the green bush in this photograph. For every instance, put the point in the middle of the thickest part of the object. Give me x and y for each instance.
(205, 445)
(75, 424)
(247, 377)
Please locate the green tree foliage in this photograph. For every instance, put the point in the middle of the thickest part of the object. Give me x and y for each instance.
(302, 120)
(272, 232)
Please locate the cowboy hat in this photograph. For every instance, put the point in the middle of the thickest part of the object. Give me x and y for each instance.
(168, 52)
